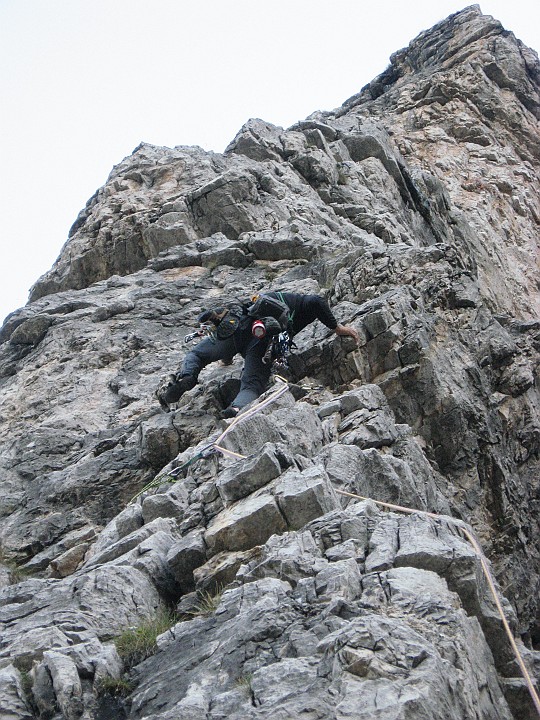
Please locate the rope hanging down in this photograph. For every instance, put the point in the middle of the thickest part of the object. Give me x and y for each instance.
(215, 446)
(487, 573)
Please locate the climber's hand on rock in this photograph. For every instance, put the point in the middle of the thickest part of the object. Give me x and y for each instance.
(347, 331)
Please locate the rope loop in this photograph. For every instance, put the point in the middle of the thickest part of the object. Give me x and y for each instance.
(487, 573)
(215, 447)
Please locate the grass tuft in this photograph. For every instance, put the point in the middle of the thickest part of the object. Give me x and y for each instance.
(26, 683)
(16, 573)
(207, 603)
(136, 644)
(244, 683)
(118, 687)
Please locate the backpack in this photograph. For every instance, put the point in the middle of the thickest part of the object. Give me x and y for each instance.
(225, 319)
(228, 318)
(265, 306)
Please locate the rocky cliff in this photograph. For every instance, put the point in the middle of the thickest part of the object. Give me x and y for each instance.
(415, 209)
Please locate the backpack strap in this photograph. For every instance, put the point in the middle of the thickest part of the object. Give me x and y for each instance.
(291, 314)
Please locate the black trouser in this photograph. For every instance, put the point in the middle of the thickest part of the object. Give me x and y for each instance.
(255, 374)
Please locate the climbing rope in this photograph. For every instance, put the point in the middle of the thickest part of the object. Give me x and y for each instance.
(284, 386)
(171, 476)
(460, 525)
(216, 446)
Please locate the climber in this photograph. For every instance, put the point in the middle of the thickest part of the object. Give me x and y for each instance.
(238, 330)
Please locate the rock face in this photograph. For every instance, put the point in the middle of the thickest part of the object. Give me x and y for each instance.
(414, 208)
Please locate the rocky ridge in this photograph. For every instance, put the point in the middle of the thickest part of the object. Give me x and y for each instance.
(415, 209)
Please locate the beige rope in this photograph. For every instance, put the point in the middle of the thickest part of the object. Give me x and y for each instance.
(282, 389)
(487, 572)
(400, 508)
(229, 452)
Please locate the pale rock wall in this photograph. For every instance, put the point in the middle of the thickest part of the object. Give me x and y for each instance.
(414, 208)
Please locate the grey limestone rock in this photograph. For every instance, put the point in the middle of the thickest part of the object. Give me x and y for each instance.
(160, 506)
(186, 555)
(247, 523)
(66, 684)
(129, 542)
(12, 702)
(304, 496)
(410, 645)
(414, 210)
(245, 477)
(31, 331)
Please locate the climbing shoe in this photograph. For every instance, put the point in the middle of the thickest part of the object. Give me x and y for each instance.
(230, 412)
(172, 389)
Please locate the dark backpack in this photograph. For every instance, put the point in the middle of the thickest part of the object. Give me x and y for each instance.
(226, 319)
(265, 306)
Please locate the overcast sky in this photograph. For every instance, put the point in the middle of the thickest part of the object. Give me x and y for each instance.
(83, 82)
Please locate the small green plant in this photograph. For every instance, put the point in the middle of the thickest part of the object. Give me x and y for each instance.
(207, 602)
(26, 683)
(136, 644)
(16, 573)
(244, 683)
(118, 687)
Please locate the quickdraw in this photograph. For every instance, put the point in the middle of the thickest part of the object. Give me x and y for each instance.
(278, 352)
(204, 329)
(172, 475)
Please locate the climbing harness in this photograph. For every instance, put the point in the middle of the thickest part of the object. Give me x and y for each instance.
(460, 525)
(290, 316)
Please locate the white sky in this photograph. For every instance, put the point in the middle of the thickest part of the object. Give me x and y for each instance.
(82, 82)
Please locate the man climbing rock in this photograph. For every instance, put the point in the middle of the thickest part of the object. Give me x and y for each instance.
(248, 329)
